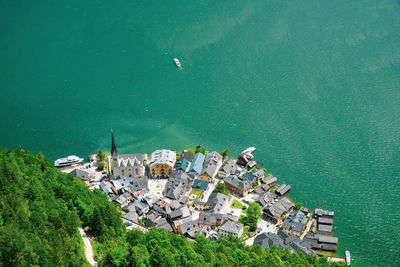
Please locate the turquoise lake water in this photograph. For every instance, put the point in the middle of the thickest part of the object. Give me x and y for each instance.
(313, 85)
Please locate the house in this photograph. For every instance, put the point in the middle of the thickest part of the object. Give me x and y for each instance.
(259, 174)
(294, 223)
(131, 216)
(270, 180)
(238, 185)
(200, 184)
(267, 240)
(83, 174)
(141, 207)
(106, 188)
(249, 176)
(182, 165)
(294, 243)
(207, 220)
(283, 189)
(139, 186)
(325, 229)
(121, 185)
(121, 200)
(176, 188)
(186, 155)
(246, 158)
(197, 163)
(189, 229)
(127, 165)
(267, 198)
(162, 163)
(277, 210)
(228, 167)
(231, 228)
(216, 203)
(212, 163)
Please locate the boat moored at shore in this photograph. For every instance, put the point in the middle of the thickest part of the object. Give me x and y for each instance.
(348, 258)
(63, 162)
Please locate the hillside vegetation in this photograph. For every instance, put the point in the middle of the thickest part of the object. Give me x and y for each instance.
(41, 210)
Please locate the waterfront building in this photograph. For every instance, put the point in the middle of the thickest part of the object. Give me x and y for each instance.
(238, 185)
(277, 210)
(228, 167)
(127, 165)
(283, 189)
(294, 223)
(162, 163)
(212, 163)
(197, 163)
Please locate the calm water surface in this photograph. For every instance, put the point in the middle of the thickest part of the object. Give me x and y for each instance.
(314, 85)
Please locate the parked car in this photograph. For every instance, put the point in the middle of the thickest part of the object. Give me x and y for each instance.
(128, 224)
(103, 172)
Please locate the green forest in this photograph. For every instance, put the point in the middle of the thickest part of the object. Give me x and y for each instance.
(41, 210)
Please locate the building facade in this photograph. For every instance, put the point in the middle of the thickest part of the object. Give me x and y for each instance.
(127, 165)
(162, 163)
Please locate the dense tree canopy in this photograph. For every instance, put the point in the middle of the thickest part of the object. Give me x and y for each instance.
(41, 210)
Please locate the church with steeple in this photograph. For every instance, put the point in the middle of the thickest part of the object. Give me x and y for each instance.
(127, 165)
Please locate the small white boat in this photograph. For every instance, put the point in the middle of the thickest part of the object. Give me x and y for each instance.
(62, 162)
(177, 63)
(348, 259)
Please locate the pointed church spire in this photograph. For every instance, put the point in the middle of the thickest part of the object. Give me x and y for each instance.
(114, 151)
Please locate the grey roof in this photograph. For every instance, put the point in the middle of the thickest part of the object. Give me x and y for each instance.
(232, 227)
(122, 184)
(278, 208)
(207, 219)
(295, 221)
(270, 180)
(324, 213)
(325, 220)
(283, 189)
(175, 214)
(229, 166)
(211, 163)
(190, 226)
(238, 182)
(139, 184)
(246, 156)
(119, 199)
(185, 211)
(183, 200)
(83, 174)
(327, 239)
(267, 240)
(259, 173)
(216, 201)
(325, 228)
(197, 163)
(175, 188)
(131, 216)
(186, 155)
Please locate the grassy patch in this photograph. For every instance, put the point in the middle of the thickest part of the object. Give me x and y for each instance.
(237, 204)
(96, 249)
(198, 193)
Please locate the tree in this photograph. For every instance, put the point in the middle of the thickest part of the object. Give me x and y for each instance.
(224, 153)
(201, 150)
(220, 188)
(253, 214)
(101, 156)
(298, 205)
(100, 165)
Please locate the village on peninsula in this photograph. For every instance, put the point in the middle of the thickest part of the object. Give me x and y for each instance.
(205, 192)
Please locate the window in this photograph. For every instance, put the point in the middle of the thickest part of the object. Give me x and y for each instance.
(123, 172)
(136, 171)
